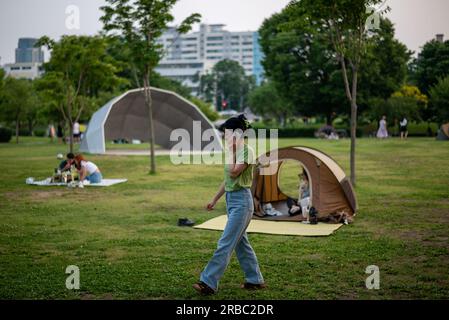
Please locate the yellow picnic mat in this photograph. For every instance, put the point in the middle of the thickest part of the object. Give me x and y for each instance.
(292, 228)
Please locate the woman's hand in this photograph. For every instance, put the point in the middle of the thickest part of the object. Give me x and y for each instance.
(211, 205)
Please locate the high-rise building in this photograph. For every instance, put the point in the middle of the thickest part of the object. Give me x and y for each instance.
(29, 60)
(191, 55)
(26, 52)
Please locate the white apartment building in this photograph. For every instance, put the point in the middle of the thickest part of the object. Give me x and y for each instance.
(190, 55)
(26, 70)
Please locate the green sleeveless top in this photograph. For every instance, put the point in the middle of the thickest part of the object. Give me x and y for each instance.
(245, 179)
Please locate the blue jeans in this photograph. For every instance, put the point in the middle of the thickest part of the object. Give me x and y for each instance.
(240, 210)
(95, 177)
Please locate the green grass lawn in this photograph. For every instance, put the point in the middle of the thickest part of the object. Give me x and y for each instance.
(127, 245)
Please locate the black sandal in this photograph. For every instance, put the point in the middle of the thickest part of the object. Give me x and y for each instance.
(203, 288)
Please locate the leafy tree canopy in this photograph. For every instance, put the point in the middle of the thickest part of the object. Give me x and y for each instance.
(431, 64)
(227, 84)
(439, 100)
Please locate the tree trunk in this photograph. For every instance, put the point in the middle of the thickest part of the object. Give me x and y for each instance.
(17, 130)
(281, 121)
(71, 136)
(353, 122)
(353, 139)
(149, 103)
(351, 94)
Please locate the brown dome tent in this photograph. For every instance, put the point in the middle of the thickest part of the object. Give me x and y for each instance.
(330, 190)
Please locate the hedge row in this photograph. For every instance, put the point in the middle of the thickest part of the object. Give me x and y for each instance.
(306, 132)
(5, 135)
(415, 130)
(27, 133)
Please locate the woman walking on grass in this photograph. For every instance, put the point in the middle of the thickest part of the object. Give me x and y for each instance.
(238, 176)
(382, 133)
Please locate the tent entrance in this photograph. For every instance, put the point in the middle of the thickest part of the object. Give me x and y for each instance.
(272, 191)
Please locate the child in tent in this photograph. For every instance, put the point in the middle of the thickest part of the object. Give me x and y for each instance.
(302, 204)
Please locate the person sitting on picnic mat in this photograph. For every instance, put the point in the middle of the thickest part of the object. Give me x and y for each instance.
(301, 205)
(66, 164)
(88, 170)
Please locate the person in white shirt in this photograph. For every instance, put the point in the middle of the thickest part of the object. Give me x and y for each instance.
(88, 170)
(403, 128)
(76, 131)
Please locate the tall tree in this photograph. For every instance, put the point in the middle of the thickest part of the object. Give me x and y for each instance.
(2, 78)
(2, 83)
(141, 23)
(207, 87)
(80, 67)
(439, 100)
(34, 111)
(50, 88)
(228, 85)
(383, 70)
(16, 101)
(431, 64)
(344, 22)
(266, 100)
(299, 62)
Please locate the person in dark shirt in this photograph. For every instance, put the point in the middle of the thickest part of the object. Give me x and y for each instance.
(66, 164)
(60, 133)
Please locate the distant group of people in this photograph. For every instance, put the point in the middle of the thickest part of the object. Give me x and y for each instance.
(327, 132)
(87, 169)
(382, 132)
(59, 132)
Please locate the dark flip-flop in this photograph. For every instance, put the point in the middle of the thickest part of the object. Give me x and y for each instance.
(203, 288)
(253, 286)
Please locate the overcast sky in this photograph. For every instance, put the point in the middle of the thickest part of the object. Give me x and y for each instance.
(416, 21)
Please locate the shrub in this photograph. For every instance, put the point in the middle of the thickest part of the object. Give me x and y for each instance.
(422, 129)
(205, 108)
(5, 135)
(40, 132)
(359, 132)
(303, 132)
(24, 132)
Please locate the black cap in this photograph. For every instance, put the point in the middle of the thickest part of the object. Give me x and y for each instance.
(234, 123)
